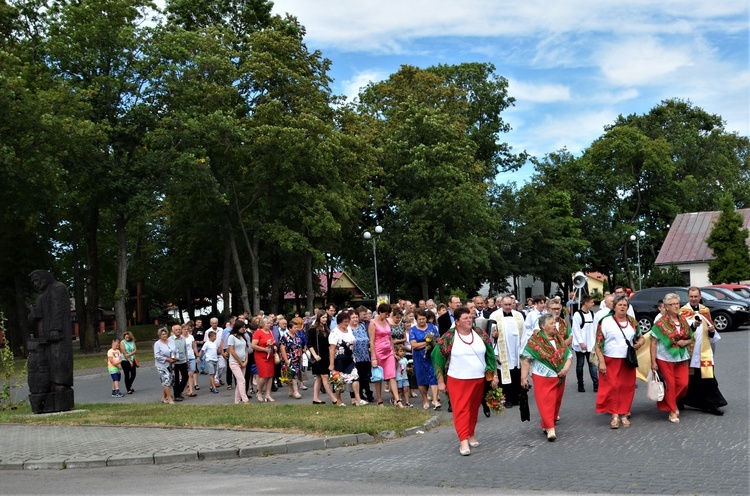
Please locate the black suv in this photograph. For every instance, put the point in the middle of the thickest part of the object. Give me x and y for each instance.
(727, 315)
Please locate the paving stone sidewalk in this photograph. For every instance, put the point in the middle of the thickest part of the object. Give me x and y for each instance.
(59, 447)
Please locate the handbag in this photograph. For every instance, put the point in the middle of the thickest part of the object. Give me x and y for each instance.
(310, 358)
(631, 357)
(276, 358)
(654, 388)
(377, 374)
(136, 362)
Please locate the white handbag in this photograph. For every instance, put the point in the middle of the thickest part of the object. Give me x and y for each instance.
(654, 388)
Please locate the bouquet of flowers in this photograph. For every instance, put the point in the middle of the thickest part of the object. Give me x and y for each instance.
(337, 381)
(495, 400)
(287, 375)
(429, 339)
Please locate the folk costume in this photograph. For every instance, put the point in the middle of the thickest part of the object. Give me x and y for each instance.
(464, 363)
(508, 349)
(703, 389)
(548, 357)
(672, 359)
(617, 385)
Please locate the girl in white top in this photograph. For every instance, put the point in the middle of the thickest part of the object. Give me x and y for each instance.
(237, 348)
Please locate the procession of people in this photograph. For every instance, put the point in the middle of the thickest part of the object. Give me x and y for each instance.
(459, 351)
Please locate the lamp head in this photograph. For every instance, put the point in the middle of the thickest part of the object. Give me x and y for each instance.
(367, 235)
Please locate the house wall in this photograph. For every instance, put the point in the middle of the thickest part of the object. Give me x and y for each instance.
(698, 273)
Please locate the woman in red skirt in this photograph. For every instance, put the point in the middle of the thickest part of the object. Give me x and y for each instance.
(616, 378)
(462, 358)
(670, 337)
(548, 359)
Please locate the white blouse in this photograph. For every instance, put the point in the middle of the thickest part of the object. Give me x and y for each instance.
(467, 360)
(614, 343)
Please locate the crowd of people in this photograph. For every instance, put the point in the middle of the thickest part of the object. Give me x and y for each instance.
(452, 353)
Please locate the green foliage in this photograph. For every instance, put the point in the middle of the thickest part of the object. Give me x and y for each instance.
(671, 276)
(728, 240)
(8, 373)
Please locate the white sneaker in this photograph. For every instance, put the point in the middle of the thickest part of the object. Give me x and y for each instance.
(362, 403)
(342, 404)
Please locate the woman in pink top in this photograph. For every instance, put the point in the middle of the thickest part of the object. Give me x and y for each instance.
(381, 352)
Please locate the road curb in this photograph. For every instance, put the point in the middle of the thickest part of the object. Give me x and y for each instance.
(160, 458)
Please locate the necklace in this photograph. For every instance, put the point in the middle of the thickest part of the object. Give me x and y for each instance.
(627, 323)
(464, 341)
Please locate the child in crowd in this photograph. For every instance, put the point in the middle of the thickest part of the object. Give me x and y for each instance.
(402, 378)
(211, 357)
(114, 361)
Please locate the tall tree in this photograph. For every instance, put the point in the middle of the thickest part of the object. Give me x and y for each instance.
(438, 149)
(729, 242)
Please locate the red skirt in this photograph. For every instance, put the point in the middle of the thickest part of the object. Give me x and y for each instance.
(675, 384)
(465, 398)
(616, 387)
(264, 364)
(548, 393)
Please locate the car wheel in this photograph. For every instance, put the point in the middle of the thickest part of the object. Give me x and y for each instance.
(645, 322)
(722, 322)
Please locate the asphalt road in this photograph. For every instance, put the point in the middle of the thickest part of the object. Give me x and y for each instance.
(704, 454)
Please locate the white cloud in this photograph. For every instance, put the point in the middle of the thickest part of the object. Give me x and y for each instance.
(351, 87)
(574, 130)
(384, 25)
(641, 61)
(533, 92)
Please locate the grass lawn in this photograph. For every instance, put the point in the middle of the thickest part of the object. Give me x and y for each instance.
(308, 419)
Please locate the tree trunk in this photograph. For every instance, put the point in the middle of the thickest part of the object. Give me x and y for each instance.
(19, 323)
(238, 270)
(78, 289)
(190, 304)
(425, 287)
(90, 234)
(121, 293)
(255, 269)
(309, 283)
(275, 286)
(225, 286)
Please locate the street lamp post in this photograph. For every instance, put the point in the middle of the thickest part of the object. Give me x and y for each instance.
(368, 236)
(637, 240)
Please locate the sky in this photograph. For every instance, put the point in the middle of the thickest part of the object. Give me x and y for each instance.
(573, 66)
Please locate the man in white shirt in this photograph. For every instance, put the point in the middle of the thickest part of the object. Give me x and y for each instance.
(584, 339)
(508, 349)
(538, 302)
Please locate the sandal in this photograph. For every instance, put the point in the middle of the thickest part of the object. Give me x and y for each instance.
(400, 404)
(625, 422)
(380, 404)
(426, 406)
(437, 406)
(615, 423)
(197, 388)
(674, 419)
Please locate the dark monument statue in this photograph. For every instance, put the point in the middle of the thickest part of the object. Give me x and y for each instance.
(50, 347)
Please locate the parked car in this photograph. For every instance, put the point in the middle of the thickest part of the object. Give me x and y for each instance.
(742, 290)
(727, 315)
(725, 294)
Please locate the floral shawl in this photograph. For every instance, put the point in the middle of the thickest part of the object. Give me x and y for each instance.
(666, 332)
(541, 349)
